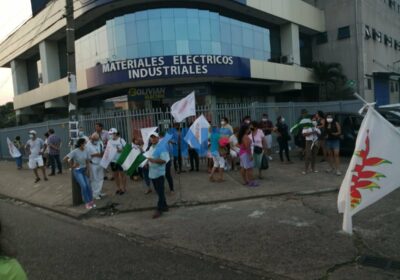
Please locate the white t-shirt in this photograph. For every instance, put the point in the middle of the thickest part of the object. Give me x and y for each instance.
(119, 144)
(95, 149)
(35, 147)
(257, 140)
(314, 133)
(233, 141)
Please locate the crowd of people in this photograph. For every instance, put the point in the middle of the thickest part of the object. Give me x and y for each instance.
(247, 147)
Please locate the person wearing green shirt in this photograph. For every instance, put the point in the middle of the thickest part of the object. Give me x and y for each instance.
(10, 269)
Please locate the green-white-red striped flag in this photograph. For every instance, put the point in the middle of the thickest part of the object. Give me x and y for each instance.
(130, 159)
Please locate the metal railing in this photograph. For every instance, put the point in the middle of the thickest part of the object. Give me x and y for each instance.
(130, 122)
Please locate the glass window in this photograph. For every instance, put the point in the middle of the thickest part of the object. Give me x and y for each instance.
(157, 48)
(215, 48)
(205, 47)
(205, 29)
(236, 34)
(167, 13)
(144, 50)
(170, 47)
(194, 47)
(132, 51)
(248, 37)
(168, 29)
(322, 38)
(130, 32)
(225, 32)
(155, 13)
(194, 27)
(181, 28)
(343, 33)
(182, 47)
(142, 28)
(155, 30)
(215, 33)
(172, 31)
(141, 15)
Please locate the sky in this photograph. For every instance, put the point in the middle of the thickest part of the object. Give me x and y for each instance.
(12, 15)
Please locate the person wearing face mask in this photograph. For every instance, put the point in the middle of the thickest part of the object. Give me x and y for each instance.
(35, 148)
(311, 133)
(258, 146)
(283, 138)
(81, 134)
(267, 127)
(333, 132)
(226, 130)
(246, 120)
(95, 149)
(119, 176)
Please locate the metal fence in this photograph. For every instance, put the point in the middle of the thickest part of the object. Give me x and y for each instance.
(129, 123)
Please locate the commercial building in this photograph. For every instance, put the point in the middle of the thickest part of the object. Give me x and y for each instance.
(364, 36)
(153, 52)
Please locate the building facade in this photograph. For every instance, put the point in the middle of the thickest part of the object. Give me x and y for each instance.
(364, 36)
(152, 52)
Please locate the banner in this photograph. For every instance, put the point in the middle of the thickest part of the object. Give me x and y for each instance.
(14, 152)
(374, 168)
(108, 156)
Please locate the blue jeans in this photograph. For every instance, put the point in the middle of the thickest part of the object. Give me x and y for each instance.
(55, 159)
(18, 160)
(159, 187)
(83, 181)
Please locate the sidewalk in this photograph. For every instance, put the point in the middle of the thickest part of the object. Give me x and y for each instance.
(191, 188)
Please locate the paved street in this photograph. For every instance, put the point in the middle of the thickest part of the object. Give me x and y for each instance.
(53, 247)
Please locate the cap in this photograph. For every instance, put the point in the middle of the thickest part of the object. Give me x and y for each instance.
(112, 131)
(155, 134)
(32, 132)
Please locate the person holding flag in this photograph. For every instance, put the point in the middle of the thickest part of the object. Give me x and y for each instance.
(158, 158)
(18, 146)
(118, 143)
(311, 133)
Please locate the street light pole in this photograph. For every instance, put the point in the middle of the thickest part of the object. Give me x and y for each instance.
(72, 97)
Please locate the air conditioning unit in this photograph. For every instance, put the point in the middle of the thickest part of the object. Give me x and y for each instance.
(287, 59)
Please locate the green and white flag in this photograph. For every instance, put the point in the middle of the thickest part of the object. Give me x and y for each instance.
(130, 159)
(305, 122)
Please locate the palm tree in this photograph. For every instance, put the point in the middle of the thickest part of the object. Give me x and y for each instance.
(331, 79)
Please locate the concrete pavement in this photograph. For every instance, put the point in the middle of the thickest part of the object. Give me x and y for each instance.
(192, 188)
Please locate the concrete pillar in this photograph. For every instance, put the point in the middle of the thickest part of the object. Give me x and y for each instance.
(290, 43)
(19, 76)
(50, 62)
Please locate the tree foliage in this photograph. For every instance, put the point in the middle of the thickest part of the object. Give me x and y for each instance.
(332, 81)
(7, 115)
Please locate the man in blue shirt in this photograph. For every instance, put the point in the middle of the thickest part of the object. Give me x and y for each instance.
(157, 173)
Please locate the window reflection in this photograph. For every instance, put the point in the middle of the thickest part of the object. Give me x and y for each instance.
(172, 31)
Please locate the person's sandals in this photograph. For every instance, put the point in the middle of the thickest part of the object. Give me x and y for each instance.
(148, 191)
(37, 180)
(46, 179)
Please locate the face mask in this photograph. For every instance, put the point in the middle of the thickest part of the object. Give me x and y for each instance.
(314, 123)
(264, 120)
(30, 136)
(223, 123)
(247, 121)
(283, 120)
(81, 134)
(95, 142)
(329, 120)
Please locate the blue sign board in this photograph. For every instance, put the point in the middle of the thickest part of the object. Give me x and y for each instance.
(164, 67)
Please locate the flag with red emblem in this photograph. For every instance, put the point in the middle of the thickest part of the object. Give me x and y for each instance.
(374, 169)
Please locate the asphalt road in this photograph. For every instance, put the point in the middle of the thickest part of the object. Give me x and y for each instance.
(50, 246)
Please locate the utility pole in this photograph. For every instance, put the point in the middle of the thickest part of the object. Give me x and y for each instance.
(72, 97)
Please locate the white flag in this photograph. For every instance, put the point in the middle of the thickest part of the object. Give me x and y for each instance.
(108, 156)
(184, 108)
(198, 132)
(146, 135)
(374, 168)
(14, 152)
